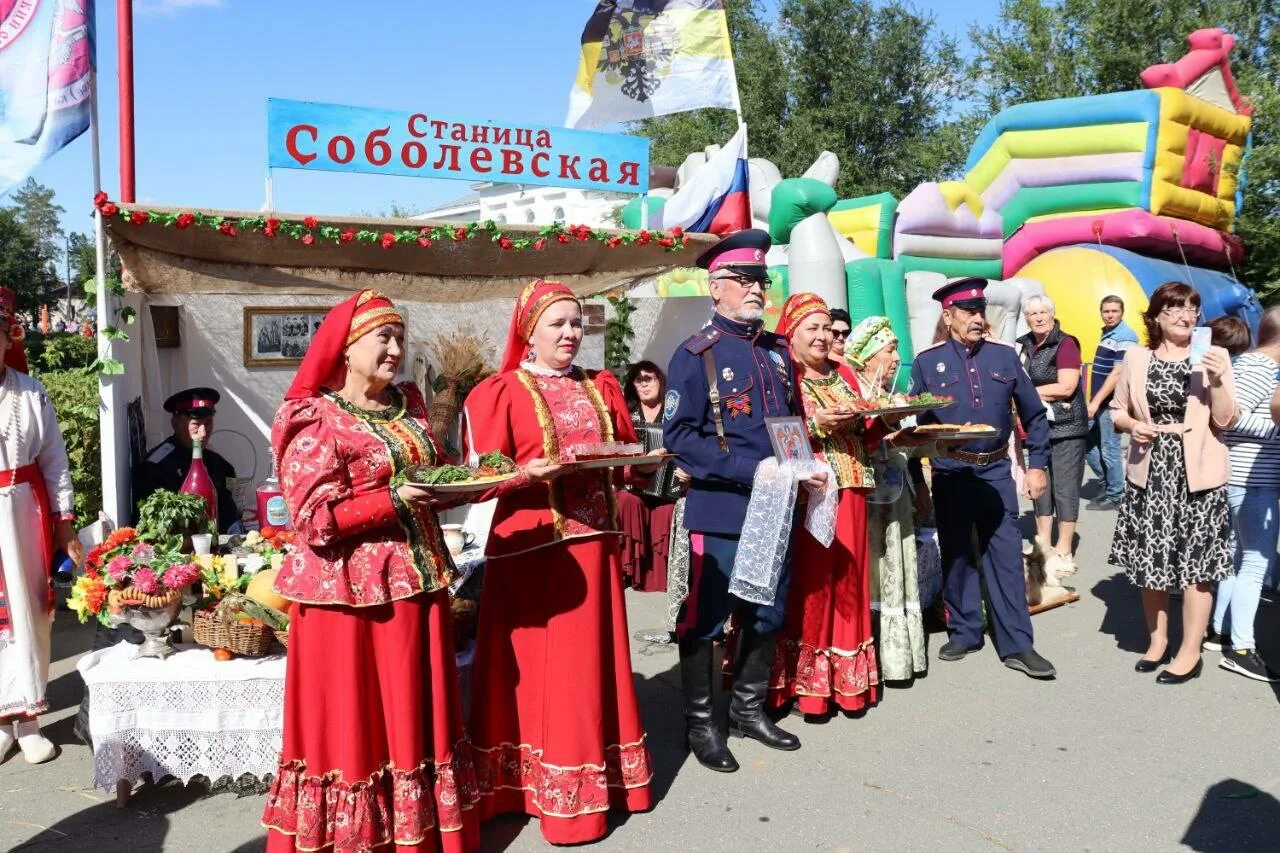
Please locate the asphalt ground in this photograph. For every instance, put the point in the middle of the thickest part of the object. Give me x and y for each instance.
(973, 756)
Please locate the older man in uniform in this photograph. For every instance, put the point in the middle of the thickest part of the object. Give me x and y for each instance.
(973, 488)
(723, 382)
(166, 464)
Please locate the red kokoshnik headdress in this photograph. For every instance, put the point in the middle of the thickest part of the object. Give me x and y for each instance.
(16, 355)
(797, 307)
(537, 296)
(347, 322)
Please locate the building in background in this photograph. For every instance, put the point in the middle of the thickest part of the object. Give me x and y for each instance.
(524, 204)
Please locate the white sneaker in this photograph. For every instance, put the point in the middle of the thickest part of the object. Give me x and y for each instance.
(7, 740)
(36, 748)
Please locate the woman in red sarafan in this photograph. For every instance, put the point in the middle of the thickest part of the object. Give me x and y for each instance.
(374, 752)
(555, 723)
(826, 654)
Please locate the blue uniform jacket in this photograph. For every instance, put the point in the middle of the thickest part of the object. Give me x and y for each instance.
(754, 378)
(984, 380)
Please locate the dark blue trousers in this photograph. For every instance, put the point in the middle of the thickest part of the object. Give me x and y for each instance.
(710, 605)
(965, 505)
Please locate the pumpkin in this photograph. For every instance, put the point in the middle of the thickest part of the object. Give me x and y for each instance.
(261, 589)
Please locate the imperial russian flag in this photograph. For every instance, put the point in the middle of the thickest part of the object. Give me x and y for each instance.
(715, 200)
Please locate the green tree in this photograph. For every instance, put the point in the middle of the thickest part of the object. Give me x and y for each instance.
(871, 82)
(84, 258)
(1040, 50)
(22, 267)
(40, 215)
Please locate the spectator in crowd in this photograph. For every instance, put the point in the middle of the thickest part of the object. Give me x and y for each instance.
(644, 513)
(1253, 491)
(1052, 360)
(1173, 531)
(1232, 334)
(1104, 442)
(841, 325)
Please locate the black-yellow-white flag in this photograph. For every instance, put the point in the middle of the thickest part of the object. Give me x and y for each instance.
(643, 58)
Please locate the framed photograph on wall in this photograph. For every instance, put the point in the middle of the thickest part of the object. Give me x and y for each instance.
(279, 336)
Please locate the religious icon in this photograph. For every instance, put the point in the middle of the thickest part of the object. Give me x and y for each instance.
(789, 439)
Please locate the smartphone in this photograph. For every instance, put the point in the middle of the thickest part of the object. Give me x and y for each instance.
(1200, 339)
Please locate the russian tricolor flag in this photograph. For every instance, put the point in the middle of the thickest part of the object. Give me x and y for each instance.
(716, 199)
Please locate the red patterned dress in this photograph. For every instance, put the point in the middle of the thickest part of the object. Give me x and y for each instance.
(825, 652)
(374, 751)
(555, 723)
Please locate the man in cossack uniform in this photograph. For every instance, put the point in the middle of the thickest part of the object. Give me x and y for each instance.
(722, 383)
(166, 464)
(973, 487)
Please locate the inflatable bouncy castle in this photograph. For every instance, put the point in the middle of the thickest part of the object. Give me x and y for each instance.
(1077, 198)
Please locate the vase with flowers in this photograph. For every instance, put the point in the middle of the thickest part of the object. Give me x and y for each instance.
(131, 579)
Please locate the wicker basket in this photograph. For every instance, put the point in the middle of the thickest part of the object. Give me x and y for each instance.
(282, 637)
(243, 638)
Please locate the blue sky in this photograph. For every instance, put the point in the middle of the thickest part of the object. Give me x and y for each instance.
(204, 69)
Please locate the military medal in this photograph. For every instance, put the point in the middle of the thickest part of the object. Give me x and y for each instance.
(941, 368)
(727, 373)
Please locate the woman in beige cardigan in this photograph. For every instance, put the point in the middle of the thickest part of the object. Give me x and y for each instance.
(1173, 531)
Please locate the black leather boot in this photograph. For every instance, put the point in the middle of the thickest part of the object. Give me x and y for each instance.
(750, 686)
(703, 737)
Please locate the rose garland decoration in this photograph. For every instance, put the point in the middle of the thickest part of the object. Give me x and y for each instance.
(309, 230)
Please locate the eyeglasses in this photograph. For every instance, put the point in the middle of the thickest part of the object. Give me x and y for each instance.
(746, 282)
(840, 333)
(1182, 311)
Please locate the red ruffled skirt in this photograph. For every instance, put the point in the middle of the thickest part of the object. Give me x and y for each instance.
(646, 535)
(825, 651)
(374, 751)
(554, 717)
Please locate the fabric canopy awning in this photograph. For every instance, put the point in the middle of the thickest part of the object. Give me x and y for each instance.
(161, 258)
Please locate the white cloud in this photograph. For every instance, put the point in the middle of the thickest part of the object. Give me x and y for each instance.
(169, 8)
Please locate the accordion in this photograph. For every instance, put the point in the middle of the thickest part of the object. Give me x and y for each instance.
(664, 484)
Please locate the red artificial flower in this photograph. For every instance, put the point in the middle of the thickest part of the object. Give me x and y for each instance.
(99, 199)
(137, 217)
(562, 238)
(347, 236)
(185, 220)
(666, 242)
(504, 242)
(109, 210)
(228, 229)
(310, 222)
(273, 223)
(460, 233)
(613, 242)
(540, 244)
(308, 239)
(388, 240)
(268, 231)
(424, 242)
(584, 233)
(644, 237)
(677, 232)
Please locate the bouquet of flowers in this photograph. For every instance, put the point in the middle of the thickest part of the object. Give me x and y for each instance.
(127, 569)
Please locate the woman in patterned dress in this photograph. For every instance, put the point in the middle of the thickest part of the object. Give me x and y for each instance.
(1173, 531)
(555, 721)
(373, 752)
(826, 656)
(872, 349)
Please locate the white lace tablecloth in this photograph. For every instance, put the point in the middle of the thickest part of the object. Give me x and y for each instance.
(186, 716)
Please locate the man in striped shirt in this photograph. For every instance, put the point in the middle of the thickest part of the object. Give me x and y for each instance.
(1104, 442)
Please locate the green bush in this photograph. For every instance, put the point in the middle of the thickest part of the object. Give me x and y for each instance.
(60, 351)
(74, 394)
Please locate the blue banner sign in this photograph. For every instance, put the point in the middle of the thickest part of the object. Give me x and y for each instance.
(334, 138)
